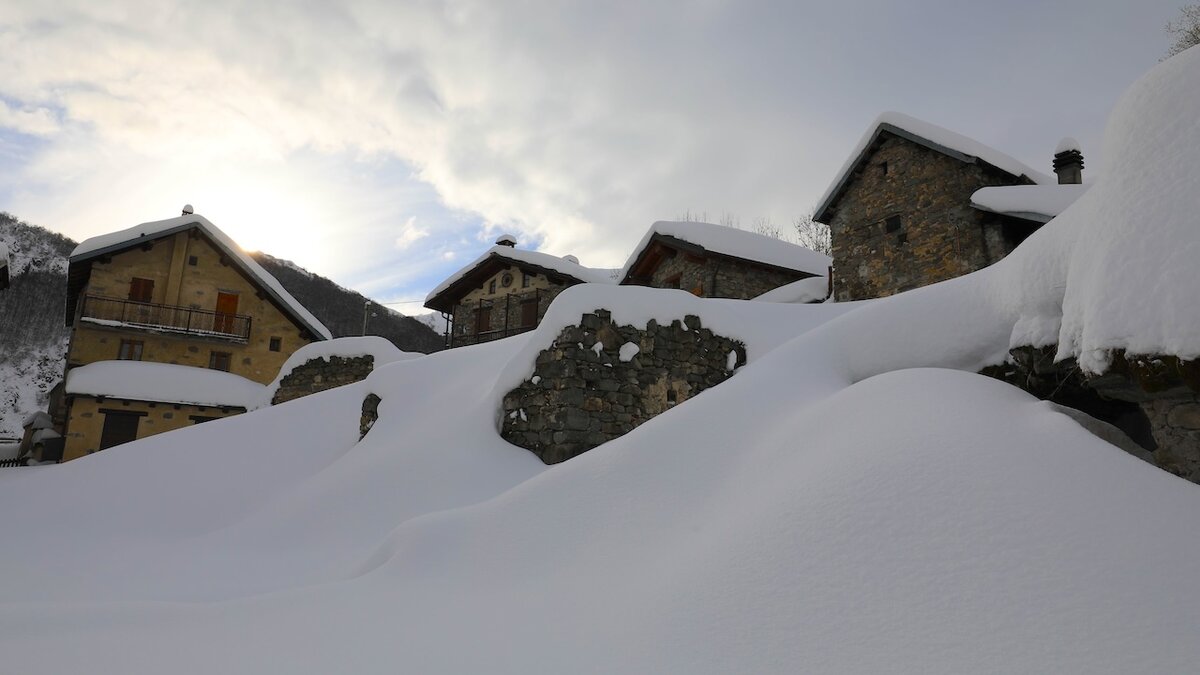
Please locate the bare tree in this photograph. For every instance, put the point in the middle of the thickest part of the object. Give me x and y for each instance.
(765, 227)
(1185, 29)
(813, 235)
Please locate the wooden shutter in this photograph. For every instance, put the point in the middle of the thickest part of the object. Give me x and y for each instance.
(141, 290)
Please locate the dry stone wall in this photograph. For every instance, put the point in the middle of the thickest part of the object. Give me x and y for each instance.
(321, 374)
(710, 277)
(598, 381)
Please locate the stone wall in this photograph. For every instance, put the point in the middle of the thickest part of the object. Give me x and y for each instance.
(321, 374)
(598, 381)
(1155, 400)
(1176, 426)
(716, 277)
(505, 312)
(905, 220)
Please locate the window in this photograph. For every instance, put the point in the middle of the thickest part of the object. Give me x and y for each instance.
(193, 260)
(529, 312)
(141, 290)
(883, 168)
(672, 281)
(506, 279)
(276, 344)
(892, 224)
(483, 320)
(119, 427)
(131, 350)
(220, 361)
(526, 279)
(492, 286)
(201, 419)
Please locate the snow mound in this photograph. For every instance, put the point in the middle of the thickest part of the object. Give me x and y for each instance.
(812, 289)
(1117, 270)
(380, 349)
(164, 383)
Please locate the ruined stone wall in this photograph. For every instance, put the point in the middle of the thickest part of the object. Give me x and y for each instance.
(905, 220)
(720, 278)
(591, 385)
(1175, 423)
(321, 374)
(501, 308)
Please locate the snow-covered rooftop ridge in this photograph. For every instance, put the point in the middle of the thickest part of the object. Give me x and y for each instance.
(551, 262)
(113, 240)
(380, 349)
(1032, 202)
(1066, 144)
(935, 135)
(734, 242)
(164, 383)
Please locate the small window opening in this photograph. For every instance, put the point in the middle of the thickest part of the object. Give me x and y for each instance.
(672, 397)
(131, 350)
(492, 286)
(893, 224)
(883, 168)
(672, 281)
(193, 260)
(526, 279)
(276, 344)
(220, 361)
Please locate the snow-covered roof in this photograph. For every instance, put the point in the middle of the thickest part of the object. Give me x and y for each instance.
(117, 241)
(932, 136)
(546, 261)
(37, 420)
(736, 243)
(164, 383)
(380, 349)
(1031, 202)
(811, 289)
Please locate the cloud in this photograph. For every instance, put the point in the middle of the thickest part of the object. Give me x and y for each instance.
(410, 233)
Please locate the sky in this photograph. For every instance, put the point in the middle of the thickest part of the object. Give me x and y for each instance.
(387, 144)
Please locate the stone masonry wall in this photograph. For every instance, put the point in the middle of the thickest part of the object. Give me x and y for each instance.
(502, 308)
(1175, 423)
(592, 385)
(321, 374)
(721, 278)
(939, 236)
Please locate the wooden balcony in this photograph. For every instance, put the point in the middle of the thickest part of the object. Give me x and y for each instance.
(165, 318)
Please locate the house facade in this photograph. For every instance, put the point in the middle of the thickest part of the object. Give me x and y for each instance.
(901, 212)
(176, 292)
(504, 292)
(714, 261)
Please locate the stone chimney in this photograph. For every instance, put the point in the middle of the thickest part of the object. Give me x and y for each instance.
(1068, 162)
(507, 240)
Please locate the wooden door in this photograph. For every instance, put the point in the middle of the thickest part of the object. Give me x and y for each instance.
(529, 312)
(118, 428)
(227, 304)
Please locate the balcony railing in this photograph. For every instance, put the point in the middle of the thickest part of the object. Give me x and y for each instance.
(166, 318)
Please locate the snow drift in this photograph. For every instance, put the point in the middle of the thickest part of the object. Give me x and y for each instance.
(838, 505)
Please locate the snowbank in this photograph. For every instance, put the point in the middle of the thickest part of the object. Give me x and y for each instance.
(1117, 269)
(380, 349)
(91, 246)
(164, 383)
(734, 242)
(812, 289)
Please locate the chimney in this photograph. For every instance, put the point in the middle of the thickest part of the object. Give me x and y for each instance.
(507, 240)
(187, 210)
(1068, 162)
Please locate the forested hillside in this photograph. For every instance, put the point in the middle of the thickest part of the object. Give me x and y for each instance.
(341, 310)
(33, 334)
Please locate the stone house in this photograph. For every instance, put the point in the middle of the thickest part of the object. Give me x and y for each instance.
(177, 292)
(505, 291)
(916, 204)
(713, 261)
